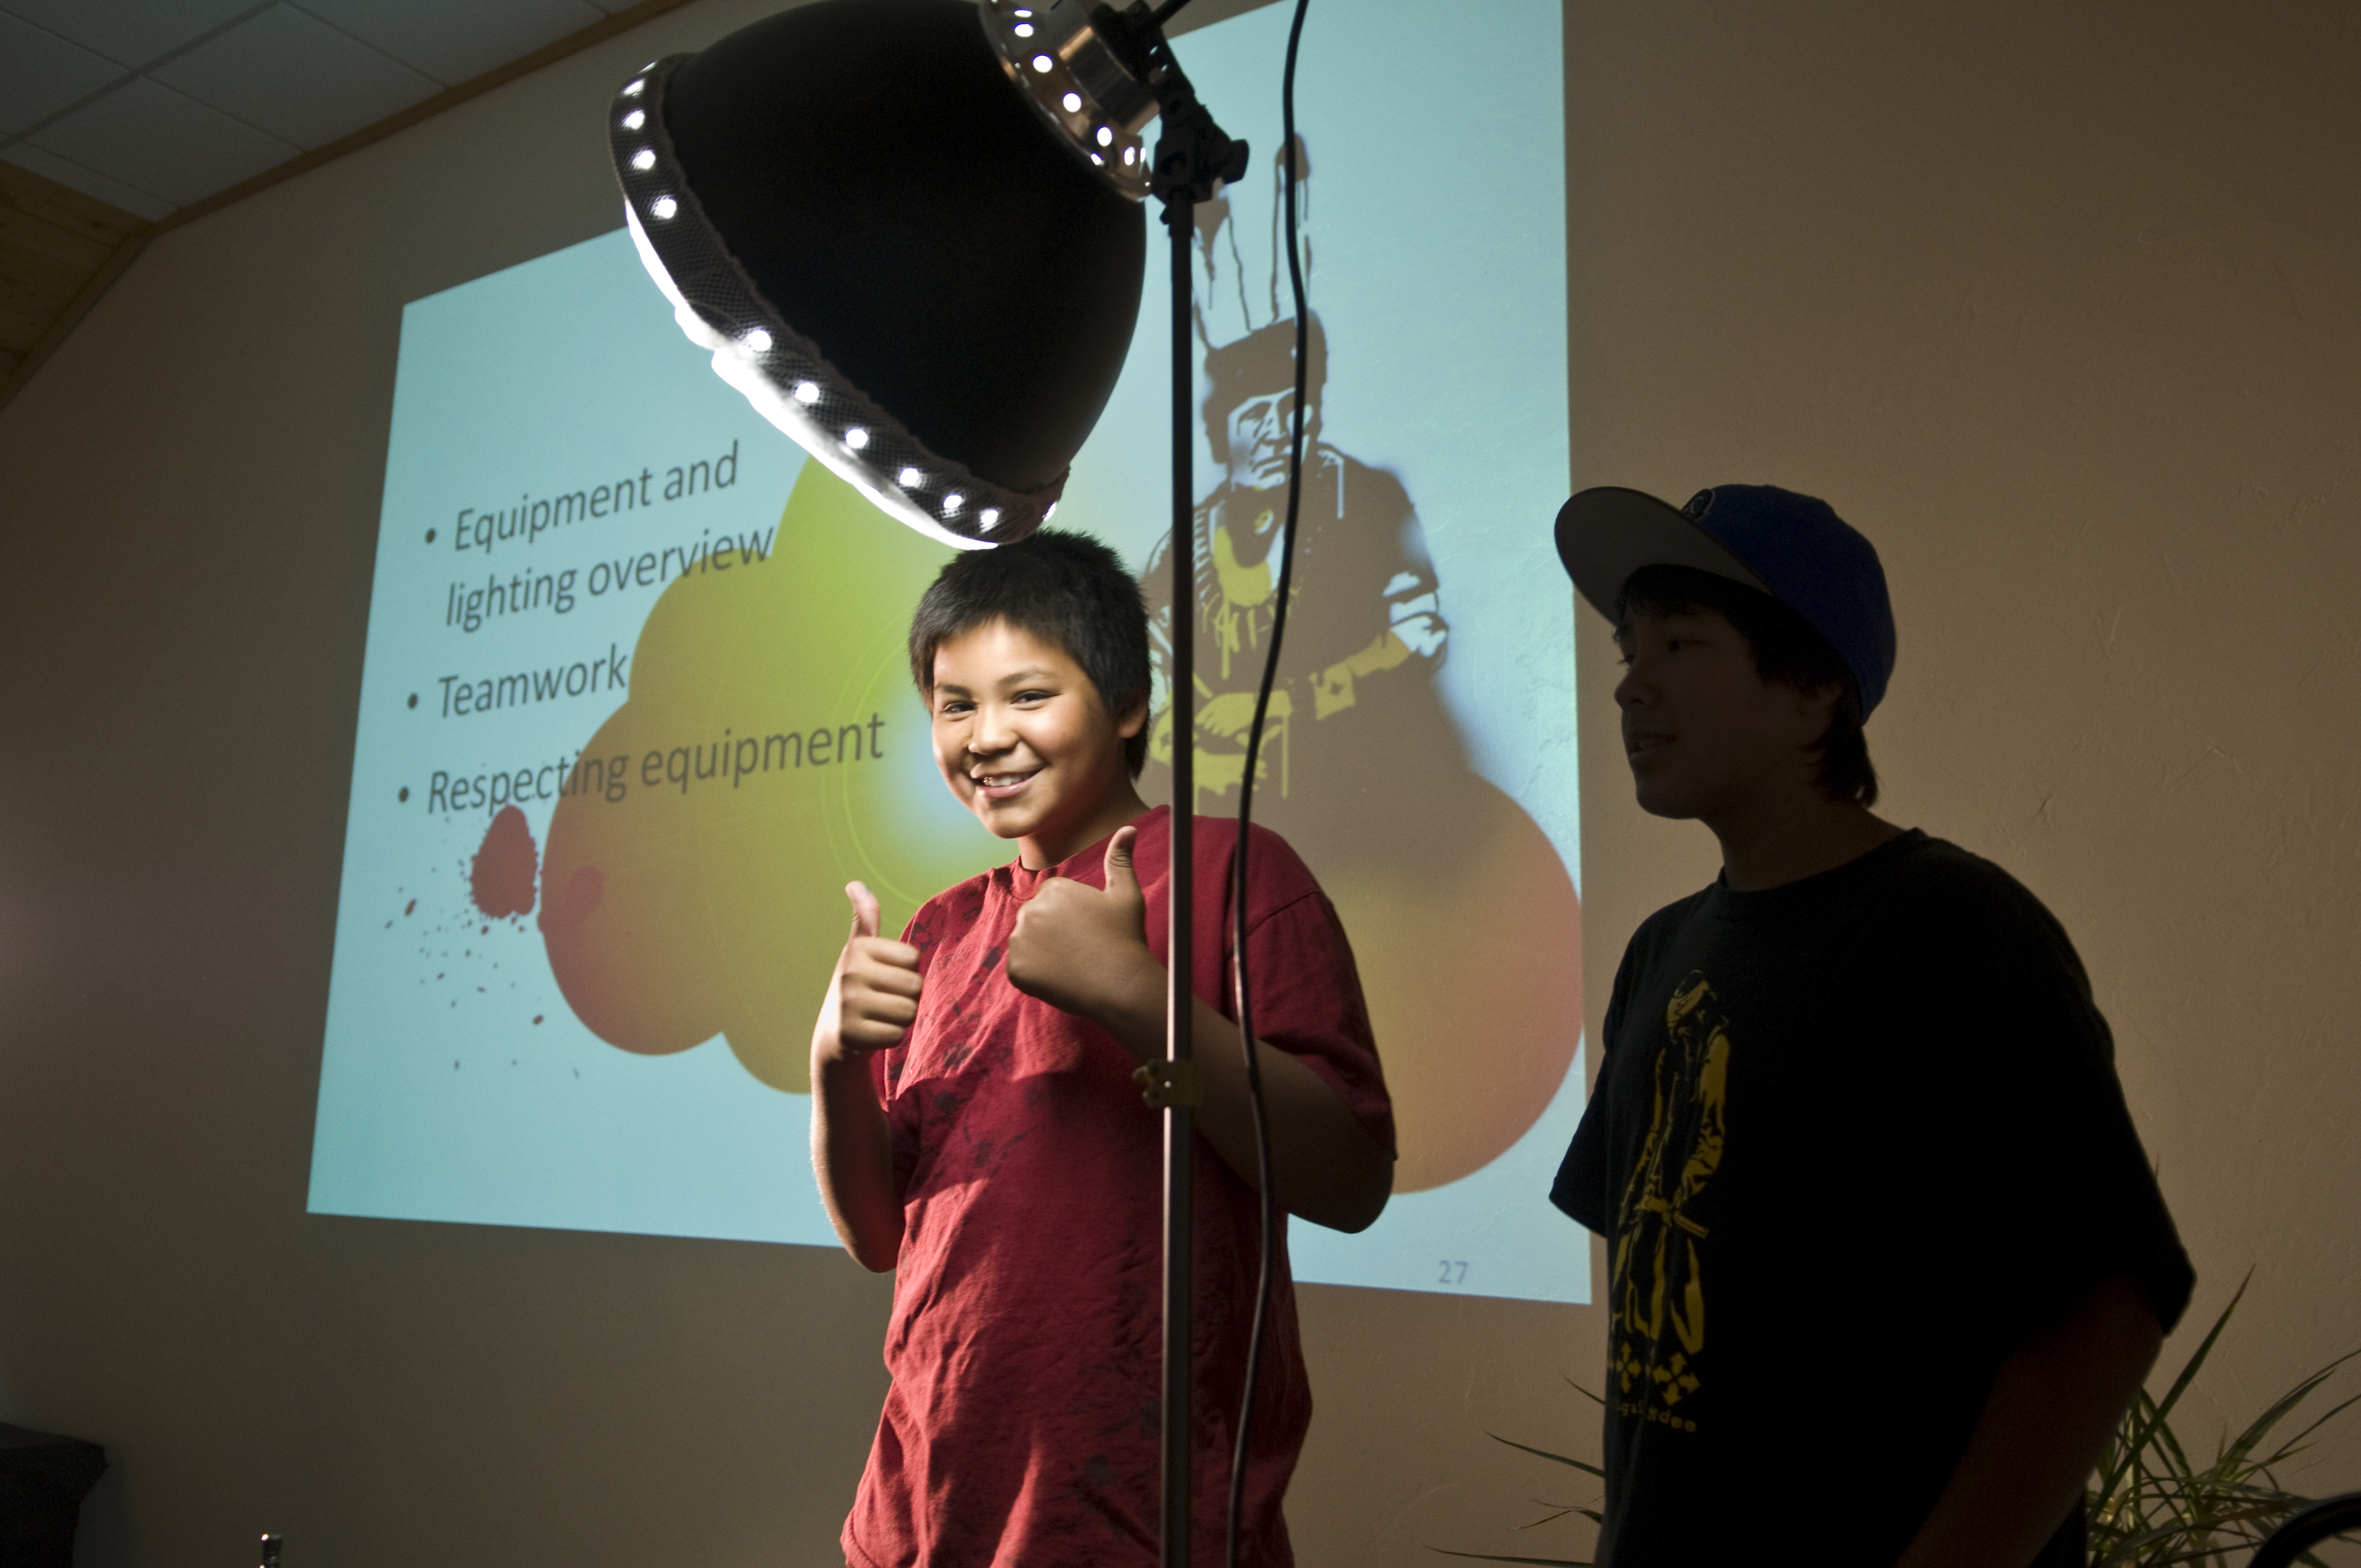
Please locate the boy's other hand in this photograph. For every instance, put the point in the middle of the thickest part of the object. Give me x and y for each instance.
(871, 1001)
(1085, 952)
(876, 987)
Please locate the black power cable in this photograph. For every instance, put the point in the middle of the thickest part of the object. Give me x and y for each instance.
(1289, 159)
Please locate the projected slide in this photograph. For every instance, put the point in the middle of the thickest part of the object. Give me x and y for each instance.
(635, 705)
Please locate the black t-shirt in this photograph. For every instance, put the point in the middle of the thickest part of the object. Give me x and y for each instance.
(1853, 1140)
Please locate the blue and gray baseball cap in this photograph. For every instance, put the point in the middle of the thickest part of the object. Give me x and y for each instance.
(1795, 548)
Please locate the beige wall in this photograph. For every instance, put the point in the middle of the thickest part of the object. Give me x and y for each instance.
(2062, 303)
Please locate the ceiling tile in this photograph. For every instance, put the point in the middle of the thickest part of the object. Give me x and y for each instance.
(90, 182)
(452, 40)
(155, 139)
(41, 74)
(296, 78)
(130, 32)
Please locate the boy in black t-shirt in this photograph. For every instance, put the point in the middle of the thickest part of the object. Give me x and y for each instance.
(1887, 1261)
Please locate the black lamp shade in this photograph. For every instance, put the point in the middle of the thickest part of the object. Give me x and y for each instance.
(888, 251)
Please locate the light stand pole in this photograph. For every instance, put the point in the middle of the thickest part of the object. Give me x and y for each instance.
(1194, 158)
(1181, 1089)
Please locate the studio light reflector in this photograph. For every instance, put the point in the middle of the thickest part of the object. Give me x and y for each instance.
(927, 283)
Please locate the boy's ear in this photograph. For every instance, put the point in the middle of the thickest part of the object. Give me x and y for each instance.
(1816, 705)
(1131, 720)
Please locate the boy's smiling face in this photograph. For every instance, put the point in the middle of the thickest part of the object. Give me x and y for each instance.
(1025, 743)
(1705, 736)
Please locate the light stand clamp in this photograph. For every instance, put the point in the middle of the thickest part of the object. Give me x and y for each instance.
(1194, 156)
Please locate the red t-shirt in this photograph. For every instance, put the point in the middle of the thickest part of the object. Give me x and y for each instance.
(1021, 1428)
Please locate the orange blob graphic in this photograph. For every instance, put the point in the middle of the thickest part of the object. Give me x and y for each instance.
(771, 749)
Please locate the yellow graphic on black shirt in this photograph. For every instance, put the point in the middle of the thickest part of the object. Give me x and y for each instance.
(1657, 1285)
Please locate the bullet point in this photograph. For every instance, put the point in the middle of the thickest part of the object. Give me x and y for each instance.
(414, 699)
(405, 793)
(430, 536)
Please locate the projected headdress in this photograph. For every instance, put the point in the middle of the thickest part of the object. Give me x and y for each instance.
(1244, 319)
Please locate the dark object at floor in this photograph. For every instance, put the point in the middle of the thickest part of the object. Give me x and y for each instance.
(42, 1479)
(2331, 1516)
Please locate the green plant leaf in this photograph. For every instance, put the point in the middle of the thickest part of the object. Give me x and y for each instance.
(2156, 1413)
(2154, 1507)
(2261, 1425)
(1583, 1391)
(1546, 1454)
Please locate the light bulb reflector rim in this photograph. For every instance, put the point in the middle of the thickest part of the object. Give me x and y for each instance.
(782, 373)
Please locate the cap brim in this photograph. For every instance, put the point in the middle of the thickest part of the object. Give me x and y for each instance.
(1608, 532)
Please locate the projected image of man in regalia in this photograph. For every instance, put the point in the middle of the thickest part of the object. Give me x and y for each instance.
(1363, 767)
(1373, 632)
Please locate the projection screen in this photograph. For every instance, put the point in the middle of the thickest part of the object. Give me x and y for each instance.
(635, 705)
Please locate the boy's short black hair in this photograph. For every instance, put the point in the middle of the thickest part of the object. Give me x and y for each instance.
(1066, 589)
(1787, 651)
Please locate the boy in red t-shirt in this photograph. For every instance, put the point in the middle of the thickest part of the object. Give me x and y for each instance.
(975, 1124)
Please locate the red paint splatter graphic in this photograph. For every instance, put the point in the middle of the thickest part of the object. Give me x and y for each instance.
(501, 879)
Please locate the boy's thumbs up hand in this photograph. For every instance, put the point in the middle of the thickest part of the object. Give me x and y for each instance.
(1084, 949)
(1123, 883)
(865, 908)
(874, 998)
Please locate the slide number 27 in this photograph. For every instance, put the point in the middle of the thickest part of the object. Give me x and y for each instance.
(1453, 1271)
